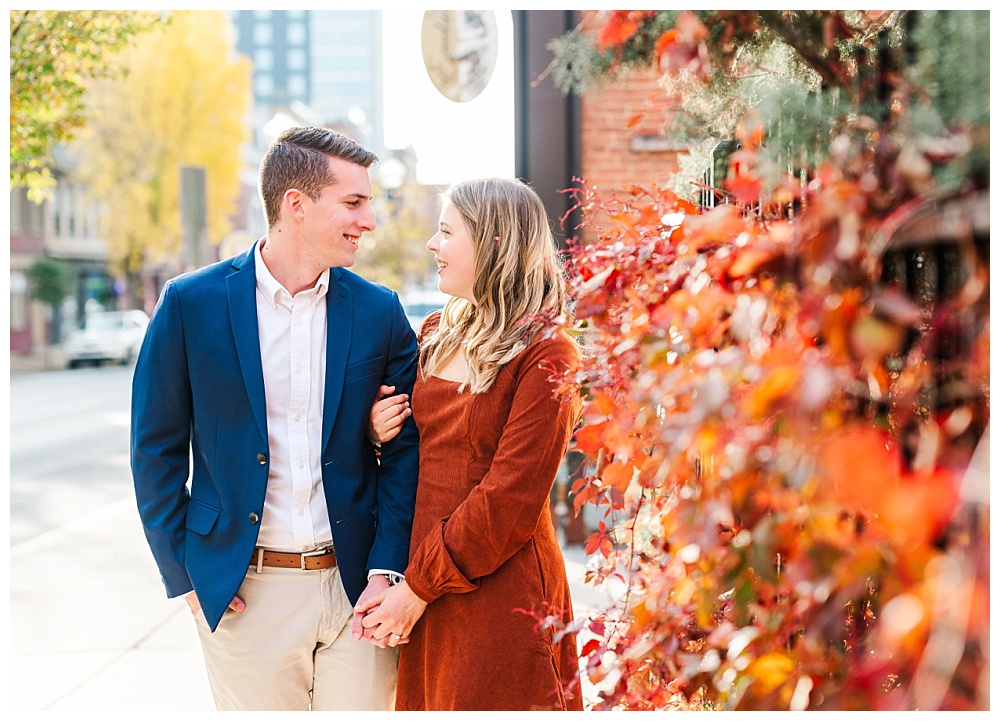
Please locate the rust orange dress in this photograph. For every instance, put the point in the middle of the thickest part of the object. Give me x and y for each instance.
(483, 544)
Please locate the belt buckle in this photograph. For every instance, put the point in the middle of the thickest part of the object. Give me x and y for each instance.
(326, 550)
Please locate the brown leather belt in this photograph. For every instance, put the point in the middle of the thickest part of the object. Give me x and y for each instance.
(311, 561)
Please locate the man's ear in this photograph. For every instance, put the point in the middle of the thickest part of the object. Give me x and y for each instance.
(293, 204)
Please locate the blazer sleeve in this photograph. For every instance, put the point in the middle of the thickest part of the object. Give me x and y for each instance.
(397, 472)
(160, 439)
(501, 514)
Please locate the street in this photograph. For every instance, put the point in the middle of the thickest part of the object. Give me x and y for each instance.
(91, 629)
(69, 448)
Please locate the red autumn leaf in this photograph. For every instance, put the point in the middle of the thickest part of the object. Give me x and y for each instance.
(665, 41)
(719, 225)
(745, 188)
(591, 646)
(678, 56)
(601, 404)
(859, 467)
(584, 495)
(592, 304)
(920, 507)
(599, 541)
(590, 439)
(691, 28)
(751, 133)
(593, 542)
(618, 475)
(617, 30)
(750, 260)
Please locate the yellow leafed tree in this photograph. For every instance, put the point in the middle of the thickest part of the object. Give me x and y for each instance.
(183, 101)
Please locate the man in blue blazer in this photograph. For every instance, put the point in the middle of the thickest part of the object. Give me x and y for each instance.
(261, 498)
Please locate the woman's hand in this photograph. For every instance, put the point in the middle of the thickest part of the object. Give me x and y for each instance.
(388, 415)
(389, 618)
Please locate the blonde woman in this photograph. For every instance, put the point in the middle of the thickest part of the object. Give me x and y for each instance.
(492, 435)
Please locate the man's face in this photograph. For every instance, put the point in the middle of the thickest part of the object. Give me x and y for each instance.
(339, 216)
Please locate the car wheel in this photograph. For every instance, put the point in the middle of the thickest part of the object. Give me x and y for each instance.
(73, 364)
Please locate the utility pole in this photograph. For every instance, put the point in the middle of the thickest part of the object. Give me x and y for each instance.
(194, 226)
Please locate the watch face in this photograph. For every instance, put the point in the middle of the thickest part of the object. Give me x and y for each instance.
(460, 51)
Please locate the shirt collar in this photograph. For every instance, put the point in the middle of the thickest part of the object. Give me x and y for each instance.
(269, 286)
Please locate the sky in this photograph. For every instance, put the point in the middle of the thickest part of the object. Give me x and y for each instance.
(453, 141)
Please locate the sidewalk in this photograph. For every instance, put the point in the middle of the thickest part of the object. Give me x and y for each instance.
(91, 629)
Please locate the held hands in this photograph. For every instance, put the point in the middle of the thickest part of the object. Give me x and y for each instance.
(388, 415)
(387, 618)
(370, 597)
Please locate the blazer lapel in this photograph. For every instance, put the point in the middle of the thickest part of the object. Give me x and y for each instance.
(241, 288)
(339, 326)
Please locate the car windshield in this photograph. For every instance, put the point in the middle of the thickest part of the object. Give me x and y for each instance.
(104, 321)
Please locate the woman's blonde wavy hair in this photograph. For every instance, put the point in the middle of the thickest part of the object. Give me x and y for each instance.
(518, 280)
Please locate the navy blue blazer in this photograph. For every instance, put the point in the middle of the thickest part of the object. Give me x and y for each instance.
(198, 393)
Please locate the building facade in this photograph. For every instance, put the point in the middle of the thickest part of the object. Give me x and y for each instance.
(64, 228)
(324, 66)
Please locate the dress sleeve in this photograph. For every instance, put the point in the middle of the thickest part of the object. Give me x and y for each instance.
(501, 514)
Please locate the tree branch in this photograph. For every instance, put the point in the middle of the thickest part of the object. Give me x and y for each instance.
(785, 30)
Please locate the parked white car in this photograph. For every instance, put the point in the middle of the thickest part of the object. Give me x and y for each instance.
(106, 336)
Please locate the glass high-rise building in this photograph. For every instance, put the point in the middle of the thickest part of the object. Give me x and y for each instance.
(327, 60)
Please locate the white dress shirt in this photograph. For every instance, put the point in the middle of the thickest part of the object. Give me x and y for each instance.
(292, 333)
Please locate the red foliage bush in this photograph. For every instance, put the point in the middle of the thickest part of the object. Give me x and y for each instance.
(789, 494)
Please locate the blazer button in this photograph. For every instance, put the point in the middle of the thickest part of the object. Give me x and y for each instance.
(261, 458)
(254, 518)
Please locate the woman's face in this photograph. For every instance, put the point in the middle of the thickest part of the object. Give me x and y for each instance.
(455, 254)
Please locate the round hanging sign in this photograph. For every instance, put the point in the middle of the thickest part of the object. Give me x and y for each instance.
(460, 51)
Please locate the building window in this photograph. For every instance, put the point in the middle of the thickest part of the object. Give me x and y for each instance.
(296, 34)
(262, 33)
(18, 301)
(263, 59)
(263, 84)
(68, 209)
(296, 59)
(297, 86)
(16, 216)
(58, 202)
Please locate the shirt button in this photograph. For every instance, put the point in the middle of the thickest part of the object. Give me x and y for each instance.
(301, 511)
(301, 465)
(254, 518)
(261, 458)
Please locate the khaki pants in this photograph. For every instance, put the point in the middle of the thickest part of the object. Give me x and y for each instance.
(291, 648)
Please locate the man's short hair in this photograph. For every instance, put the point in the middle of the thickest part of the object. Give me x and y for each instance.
(298, 159)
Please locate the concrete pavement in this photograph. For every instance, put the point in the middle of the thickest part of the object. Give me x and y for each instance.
(91, 630)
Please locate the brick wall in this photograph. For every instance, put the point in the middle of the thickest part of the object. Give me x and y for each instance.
(610, 158)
